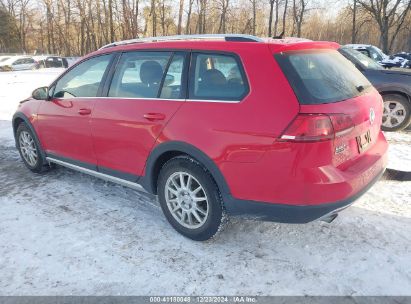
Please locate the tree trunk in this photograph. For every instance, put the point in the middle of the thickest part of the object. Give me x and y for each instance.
(270, 19)
(285, 14)
(153, 17)
(190, 8)
(276, 18)
(180, 17)
(111, 25)
(163, 18)
(354, 21)
(254, 2)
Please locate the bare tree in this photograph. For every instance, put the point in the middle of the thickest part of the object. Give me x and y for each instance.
(285, 15)
(190, 9)
(223, 15)
(299, 10)
(153, 16)
(390, 16)
(180, 16)
(80, 26)
(354, 22)
(273, 3)
(111, 23)
(254, 9)
(201, 22)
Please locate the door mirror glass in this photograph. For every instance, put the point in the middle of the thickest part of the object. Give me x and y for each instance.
(40, 93)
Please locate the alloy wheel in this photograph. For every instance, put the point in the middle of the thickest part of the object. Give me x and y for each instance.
(187, 200)
(394, 114)
(28, 148)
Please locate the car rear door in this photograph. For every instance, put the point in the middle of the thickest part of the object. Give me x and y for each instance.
(142, 93)
(64, 120)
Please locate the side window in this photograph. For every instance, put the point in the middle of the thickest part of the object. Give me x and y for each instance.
(139, 74)
(216, 77)
(18, 61)
(173, 79)
(375, 55)
(84, 79)
(365, 52)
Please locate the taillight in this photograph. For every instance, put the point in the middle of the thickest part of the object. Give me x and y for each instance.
(342, 124)
(317, 127)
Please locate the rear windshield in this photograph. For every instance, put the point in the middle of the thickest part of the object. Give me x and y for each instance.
(321, 76)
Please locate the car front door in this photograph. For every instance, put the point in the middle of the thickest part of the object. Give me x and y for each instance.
(146, 89)
(64, 120)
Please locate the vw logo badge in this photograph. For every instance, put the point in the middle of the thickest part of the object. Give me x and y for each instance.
(372, 115)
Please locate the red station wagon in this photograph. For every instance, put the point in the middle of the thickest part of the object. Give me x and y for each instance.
(285, 130)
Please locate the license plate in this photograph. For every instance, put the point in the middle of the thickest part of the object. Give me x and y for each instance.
(363, 141)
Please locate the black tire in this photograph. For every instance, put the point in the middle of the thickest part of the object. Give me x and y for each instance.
(216, 217)
(40, 164)
(407, 106)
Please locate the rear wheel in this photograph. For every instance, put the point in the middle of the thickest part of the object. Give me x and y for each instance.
(190, 199)
(397, 113)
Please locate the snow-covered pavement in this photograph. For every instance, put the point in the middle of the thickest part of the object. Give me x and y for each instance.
(16, 86)
(64, 233)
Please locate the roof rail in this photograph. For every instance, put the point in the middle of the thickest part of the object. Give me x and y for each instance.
(226, 37)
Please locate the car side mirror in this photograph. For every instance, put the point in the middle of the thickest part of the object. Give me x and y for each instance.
(40, 93)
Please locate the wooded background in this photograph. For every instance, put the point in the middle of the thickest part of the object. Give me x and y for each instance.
(77, 27)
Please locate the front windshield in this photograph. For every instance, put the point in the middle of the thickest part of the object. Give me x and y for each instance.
(4, 59)
(365, 61)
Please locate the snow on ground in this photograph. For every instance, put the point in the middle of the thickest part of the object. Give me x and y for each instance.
(16, 86)
(399, 152)
(64, 233)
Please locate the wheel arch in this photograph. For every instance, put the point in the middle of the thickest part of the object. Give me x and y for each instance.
(19, 118)
(396, 92)
(168, 150)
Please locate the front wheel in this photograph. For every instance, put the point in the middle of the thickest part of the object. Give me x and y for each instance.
(29, 149)
(190, 199)
(397, 113)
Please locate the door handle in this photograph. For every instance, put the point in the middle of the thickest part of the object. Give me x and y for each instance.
(154, 116)
(84, 111)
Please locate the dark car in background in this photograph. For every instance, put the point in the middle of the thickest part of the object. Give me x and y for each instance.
(393, 85)
(387, 61)
(406, 56)
(47, 61)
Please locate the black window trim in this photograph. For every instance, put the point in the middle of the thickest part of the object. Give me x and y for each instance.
(187, 67)
(183, 88)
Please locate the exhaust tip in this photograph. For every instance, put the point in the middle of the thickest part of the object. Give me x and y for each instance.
(329, 218)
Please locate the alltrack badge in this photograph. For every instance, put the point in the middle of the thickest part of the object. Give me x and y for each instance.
(372, 115)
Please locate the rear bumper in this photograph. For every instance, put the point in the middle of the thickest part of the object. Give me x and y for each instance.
(297, 214)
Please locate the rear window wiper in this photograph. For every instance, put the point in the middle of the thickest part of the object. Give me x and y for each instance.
(360, 88)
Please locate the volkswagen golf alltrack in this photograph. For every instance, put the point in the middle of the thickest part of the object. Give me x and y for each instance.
(284, 130)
